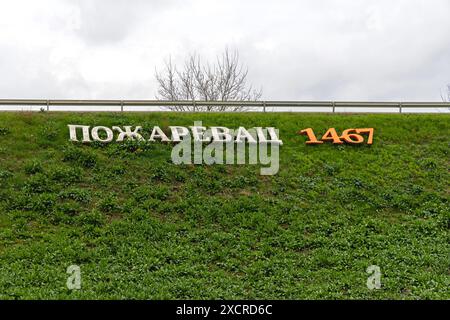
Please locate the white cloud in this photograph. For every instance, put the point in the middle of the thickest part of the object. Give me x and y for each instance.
(315, 49)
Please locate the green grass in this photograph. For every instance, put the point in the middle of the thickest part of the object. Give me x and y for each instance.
(141, 227)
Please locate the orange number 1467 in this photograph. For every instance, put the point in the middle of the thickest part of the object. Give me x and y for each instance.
(352, 136)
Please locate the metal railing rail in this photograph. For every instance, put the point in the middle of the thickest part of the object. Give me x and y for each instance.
(196, 103)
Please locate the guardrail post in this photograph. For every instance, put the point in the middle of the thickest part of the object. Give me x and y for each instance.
(400, 107)
(48, 105)
(121, 105)
(334, 107)
(264, 106)
(193, 104)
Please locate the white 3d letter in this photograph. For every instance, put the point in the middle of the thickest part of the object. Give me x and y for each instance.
(128, 133)
(73, 132)
(158, 133)
(221, 134)
(178, 132)
(243, 134)
(109, 134)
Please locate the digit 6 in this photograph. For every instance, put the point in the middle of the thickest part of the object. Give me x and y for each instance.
(352, 138)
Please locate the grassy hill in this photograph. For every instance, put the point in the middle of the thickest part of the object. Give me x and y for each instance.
(142, 227)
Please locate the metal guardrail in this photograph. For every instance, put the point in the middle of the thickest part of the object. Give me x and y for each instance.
(261, 104)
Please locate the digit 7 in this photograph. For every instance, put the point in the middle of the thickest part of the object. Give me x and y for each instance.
(366, 130)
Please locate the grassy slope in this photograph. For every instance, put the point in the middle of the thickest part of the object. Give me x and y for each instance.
(141, 227)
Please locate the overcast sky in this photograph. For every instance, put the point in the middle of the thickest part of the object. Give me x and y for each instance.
(294, 50)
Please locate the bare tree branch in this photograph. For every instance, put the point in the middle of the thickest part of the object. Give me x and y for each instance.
(446, 95)
(223, 81)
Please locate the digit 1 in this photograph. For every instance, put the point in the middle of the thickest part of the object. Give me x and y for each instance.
(311, 136)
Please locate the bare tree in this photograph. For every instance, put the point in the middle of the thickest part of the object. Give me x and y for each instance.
(446, 95)
(223, 81)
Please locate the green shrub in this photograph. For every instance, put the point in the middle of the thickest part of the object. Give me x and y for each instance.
(160, 173)
(66, 175)
(180, 176)
(4, 174)
(428, 164)
(43, 203)
(138, 214)
(142, 193)
(33, 166)
(93, 219)
(4, 131)
(118, 170)
(70, 208)
(38, 183)
(109, 203)
(160, 192)
(431, 209)
(49, 131)
(150, 204)
(76, 194)
(84, 158)
(131, 147)
(18, 200)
